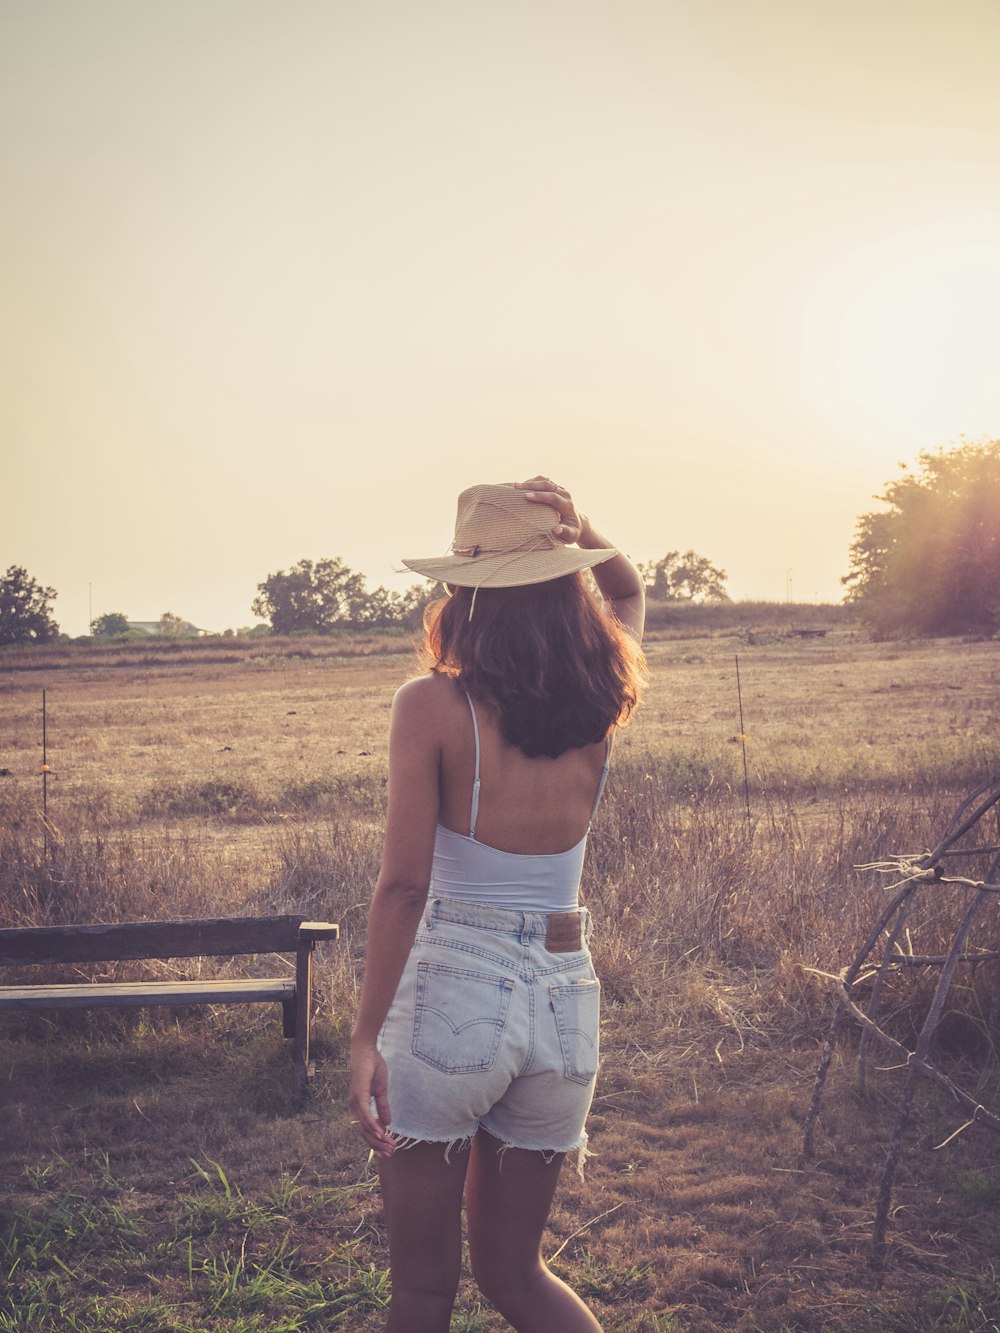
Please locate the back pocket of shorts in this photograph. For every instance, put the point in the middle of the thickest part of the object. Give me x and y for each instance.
(459, 1017)
(577, 1008)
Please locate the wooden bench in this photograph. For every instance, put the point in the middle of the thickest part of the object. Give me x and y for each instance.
(226, 936)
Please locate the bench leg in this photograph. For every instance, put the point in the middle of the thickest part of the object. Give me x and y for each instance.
(303, 1015)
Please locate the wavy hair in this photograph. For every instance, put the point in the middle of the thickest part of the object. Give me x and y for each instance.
(558, 671)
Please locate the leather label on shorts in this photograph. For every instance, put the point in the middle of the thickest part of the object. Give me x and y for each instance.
(562, 932)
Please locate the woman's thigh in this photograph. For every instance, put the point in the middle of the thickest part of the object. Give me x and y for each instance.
(422, 1191)
(508, 1199)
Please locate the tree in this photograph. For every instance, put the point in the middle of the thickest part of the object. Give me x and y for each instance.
(684, 578)
(315, 598)
(110, 625)
(383, 607)
(309, 597)
(170, 626)
(930, 562)
(25, 616)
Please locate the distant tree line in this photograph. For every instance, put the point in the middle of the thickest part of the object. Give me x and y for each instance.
(116, 625)
(321, 596)
(928, 563)
(317, 597)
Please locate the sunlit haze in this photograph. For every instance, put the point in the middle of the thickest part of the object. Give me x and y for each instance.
(281, 279)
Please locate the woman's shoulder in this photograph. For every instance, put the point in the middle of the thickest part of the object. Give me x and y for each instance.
(430, 695)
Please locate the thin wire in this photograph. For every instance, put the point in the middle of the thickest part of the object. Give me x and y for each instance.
(743, 743)
(45, 784)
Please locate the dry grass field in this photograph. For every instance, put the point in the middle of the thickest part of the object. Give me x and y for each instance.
(156, 1174)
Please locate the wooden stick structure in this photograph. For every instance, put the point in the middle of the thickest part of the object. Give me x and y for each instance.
(922, 891)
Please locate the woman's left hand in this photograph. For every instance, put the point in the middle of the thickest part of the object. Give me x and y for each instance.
(544, 491)
(370, 1082)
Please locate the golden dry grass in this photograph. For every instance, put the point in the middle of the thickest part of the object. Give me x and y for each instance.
(216, 786)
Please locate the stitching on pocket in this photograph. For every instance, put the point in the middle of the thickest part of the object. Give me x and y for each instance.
(577, 1009)
(459, 1017)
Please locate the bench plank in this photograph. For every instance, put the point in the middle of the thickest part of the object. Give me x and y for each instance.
(319, 930)
(151, 939)
(123, 994)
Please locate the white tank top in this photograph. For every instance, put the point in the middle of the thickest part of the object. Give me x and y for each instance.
(475, 872)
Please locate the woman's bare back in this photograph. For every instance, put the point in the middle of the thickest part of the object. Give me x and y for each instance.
(528, 806)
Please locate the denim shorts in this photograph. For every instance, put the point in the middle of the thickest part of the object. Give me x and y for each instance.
(489, 1028)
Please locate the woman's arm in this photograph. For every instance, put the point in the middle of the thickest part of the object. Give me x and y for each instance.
(398, 901)
(619, 581)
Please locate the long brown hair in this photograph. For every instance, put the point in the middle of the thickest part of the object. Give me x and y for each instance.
(558, 671)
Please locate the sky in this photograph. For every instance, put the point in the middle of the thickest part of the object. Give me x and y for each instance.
(280, 279)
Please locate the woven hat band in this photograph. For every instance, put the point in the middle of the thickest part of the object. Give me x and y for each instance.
(543, 541)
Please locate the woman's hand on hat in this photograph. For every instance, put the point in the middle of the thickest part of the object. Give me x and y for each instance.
(544, 491)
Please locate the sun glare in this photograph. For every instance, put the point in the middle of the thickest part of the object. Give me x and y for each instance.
(902, 337)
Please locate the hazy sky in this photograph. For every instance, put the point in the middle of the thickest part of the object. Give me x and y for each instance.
(279, 279)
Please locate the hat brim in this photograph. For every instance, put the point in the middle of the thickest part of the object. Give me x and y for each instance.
(506, 570)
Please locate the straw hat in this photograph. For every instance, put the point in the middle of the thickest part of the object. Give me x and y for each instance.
(504, 540)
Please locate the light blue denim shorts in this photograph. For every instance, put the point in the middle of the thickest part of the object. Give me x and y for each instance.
(489, 1028)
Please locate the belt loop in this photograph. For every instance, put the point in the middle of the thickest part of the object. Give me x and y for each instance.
(525, 927)
(429, 919)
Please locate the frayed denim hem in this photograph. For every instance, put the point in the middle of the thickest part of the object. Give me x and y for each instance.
(579, 1148)
(463, 1142)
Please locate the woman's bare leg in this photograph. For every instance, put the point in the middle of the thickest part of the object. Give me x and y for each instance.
(422, 1201)
(508, 1200)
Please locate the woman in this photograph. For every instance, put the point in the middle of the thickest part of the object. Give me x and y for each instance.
(474, 1052)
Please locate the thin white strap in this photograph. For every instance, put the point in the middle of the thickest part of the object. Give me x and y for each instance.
(474, 812)
(604, 777)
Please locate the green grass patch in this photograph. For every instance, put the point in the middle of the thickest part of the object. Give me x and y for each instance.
(213, 1256)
